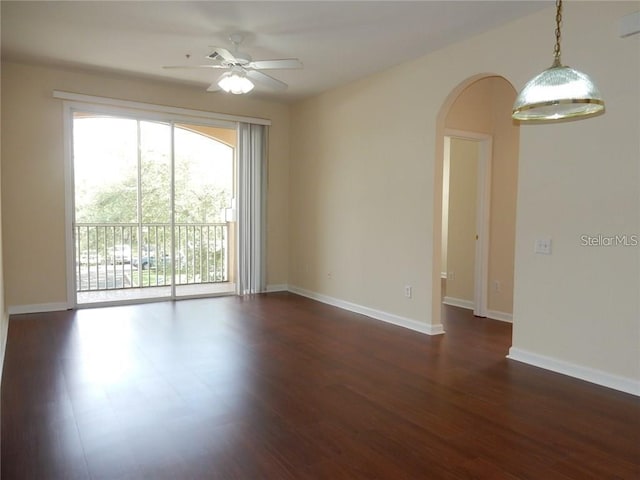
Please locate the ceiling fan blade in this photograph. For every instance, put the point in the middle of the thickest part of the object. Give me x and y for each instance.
(220, 53)
(273, 64)
(266, 80)
(213, 65)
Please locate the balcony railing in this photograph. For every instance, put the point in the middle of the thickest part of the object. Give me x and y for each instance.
(136, 255)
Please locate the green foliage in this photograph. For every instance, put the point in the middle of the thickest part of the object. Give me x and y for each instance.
(112, 204)
(198, 199)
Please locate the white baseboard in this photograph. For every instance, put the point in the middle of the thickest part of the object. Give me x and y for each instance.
(370, 312)
(4, 324)
(458, 302)
(623, 384)
(39, 308)
(503, 317)
(277, 288)
(492, 314)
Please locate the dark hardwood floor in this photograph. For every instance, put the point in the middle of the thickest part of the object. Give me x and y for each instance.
(281, 387)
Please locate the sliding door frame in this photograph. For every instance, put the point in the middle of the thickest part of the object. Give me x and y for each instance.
(133, 111)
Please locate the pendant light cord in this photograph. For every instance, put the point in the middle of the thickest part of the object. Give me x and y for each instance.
(556, 50)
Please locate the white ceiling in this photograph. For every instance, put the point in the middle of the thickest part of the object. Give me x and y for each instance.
(337, 41)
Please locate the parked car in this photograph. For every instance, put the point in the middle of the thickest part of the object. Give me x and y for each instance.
(90, 259)
(151, 260)
(120, 254)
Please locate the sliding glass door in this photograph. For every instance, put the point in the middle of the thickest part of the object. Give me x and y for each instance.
(202, 199)
(151, 210)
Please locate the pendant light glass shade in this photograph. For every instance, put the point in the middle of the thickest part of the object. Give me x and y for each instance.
(235, 82)
(560, 92)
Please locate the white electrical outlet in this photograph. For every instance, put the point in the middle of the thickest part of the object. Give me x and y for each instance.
(543, 246)
(408, 291)
(497, 286)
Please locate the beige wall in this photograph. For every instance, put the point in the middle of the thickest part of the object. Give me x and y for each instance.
(485, 107)
(33, 191)
(461, 248)
(4, 317)
(582, 304)
(504, 198)
(363, 190)
(359, 209)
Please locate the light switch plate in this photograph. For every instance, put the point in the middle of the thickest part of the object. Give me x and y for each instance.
(543, 246)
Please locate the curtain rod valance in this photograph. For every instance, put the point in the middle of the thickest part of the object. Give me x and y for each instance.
(114, 102)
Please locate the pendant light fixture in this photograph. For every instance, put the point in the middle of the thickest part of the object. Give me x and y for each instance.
(558, 93)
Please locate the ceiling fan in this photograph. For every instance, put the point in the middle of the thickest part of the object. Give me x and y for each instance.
(242, 70)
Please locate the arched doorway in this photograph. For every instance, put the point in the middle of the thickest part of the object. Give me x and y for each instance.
(476, 111)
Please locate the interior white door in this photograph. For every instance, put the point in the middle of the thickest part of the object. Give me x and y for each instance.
(466, 202)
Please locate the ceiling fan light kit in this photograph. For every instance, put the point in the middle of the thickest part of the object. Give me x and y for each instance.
(235, 82)
(558, 93)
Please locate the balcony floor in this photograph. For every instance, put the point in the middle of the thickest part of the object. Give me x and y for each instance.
(128, 295)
